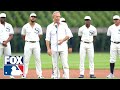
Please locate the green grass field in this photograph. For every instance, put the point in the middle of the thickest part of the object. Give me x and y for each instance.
(101, 61)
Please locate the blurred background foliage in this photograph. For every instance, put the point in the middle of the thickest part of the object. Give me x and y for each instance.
(75, 19)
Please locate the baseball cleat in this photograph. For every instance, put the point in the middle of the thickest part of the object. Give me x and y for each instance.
(92, 76)
(110, 76)
(12, 77)
(40, 77)
(81, 76)
(23, 77)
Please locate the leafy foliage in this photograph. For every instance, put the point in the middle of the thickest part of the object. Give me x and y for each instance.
(73, 18)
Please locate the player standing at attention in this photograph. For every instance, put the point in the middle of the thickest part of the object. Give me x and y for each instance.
(6, 36)
(32, 33)
(57, 34)
(86, 34)
(114, 32)
(70, 41)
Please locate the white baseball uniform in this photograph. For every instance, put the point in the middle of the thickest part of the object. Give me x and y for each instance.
(87, 47)
(32, 46)
(5, 31)
(114, 32)
(54, 34)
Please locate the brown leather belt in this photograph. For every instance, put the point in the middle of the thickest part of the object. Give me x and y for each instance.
(86, 42)
(32, 41)
(116, 42)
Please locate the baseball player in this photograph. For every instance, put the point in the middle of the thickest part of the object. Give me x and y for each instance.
(114, 33)
(32, 32)
(6, 36)
(57, 34)
(70, 41)
(87, 33)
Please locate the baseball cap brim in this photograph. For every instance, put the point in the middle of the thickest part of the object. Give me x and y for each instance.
(87, 17)
(116, 17)
(33, 14)
(2, 15)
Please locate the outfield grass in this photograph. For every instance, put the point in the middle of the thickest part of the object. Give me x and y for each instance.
(101, 61)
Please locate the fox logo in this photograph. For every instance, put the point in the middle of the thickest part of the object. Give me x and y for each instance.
(13, 65)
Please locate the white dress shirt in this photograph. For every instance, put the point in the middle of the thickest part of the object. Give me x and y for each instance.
(62, 31)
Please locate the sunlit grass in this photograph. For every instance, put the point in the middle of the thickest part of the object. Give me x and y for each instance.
(101, 61)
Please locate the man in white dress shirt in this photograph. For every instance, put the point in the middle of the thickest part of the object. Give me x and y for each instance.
(6, 35)
(70, 44)
(114, 33)
(87, 33)
(57, 34)
(31, 34)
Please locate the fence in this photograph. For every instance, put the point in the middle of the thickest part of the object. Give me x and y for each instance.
(101, 45)
(74, 30)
